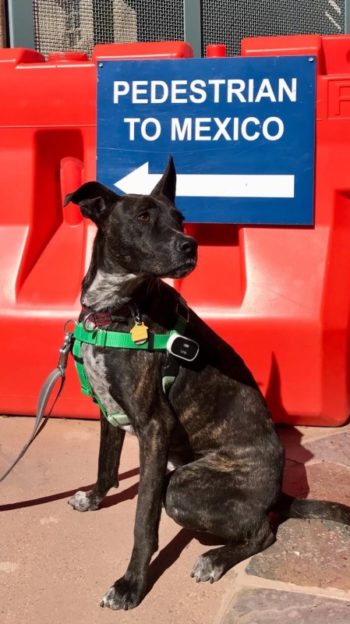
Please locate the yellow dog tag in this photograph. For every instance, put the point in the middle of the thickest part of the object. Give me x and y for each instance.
(139, 333)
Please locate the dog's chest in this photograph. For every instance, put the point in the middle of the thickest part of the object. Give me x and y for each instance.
(96, 371)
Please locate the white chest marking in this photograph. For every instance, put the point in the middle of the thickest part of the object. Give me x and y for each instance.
(96, 372)
(107, 290)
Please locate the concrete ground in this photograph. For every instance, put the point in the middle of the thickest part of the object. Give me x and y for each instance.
(56, 563)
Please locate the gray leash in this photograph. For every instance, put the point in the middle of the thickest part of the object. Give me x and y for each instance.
(59, 373)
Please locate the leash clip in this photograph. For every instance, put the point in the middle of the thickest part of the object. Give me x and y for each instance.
(65, 349)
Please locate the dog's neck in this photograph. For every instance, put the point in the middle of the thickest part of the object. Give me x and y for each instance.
(111, 290)
(106, 286)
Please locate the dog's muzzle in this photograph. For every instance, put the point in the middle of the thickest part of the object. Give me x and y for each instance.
(185, 257)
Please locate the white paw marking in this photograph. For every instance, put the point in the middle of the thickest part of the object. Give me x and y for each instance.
(80, 501)
(203, 570)
(108, 599)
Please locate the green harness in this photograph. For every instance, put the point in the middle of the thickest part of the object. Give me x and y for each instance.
(119, 340)
(89, 334)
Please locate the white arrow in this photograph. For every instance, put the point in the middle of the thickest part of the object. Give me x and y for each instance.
(142, 182)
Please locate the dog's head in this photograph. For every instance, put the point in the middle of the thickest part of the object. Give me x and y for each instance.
(143, 234)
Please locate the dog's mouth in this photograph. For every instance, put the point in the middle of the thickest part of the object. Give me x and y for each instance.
(182, 270)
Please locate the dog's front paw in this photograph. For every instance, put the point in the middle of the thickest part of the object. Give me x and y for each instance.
(124, 594)
(205, 569)
(84, 501)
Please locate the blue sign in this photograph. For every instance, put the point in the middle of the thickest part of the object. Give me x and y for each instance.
(240, 130)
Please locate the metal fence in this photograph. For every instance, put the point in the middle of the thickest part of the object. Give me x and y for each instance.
(225, 21)
(58, 25)
(80, 24)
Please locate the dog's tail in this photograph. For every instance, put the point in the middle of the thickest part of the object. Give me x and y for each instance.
(290, 507)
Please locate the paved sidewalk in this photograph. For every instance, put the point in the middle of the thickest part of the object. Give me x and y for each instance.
(55, 563)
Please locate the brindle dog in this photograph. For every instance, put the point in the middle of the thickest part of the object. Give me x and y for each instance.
(213, 424)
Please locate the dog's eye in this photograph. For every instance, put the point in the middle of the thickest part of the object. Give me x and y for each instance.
(144, 217)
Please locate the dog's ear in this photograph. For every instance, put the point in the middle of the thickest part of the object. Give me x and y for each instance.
(167, 184)
(94, 199)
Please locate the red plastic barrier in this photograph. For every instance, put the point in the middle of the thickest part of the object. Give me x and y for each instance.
(283, 294)
(47, 149)
(279, 295)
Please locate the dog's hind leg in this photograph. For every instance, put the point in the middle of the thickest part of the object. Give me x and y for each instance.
(215, 562)
(111, 443)
(224, 503)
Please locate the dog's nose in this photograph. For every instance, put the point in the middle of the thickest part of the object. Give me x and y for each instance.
(187, 246)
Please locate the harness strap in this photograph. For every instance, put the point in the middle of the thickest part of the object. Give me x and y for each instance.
(122, 340)
(116, 419)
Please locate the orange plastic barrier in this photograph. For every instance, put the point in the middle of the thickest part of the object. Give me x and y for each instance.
(280, 296)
